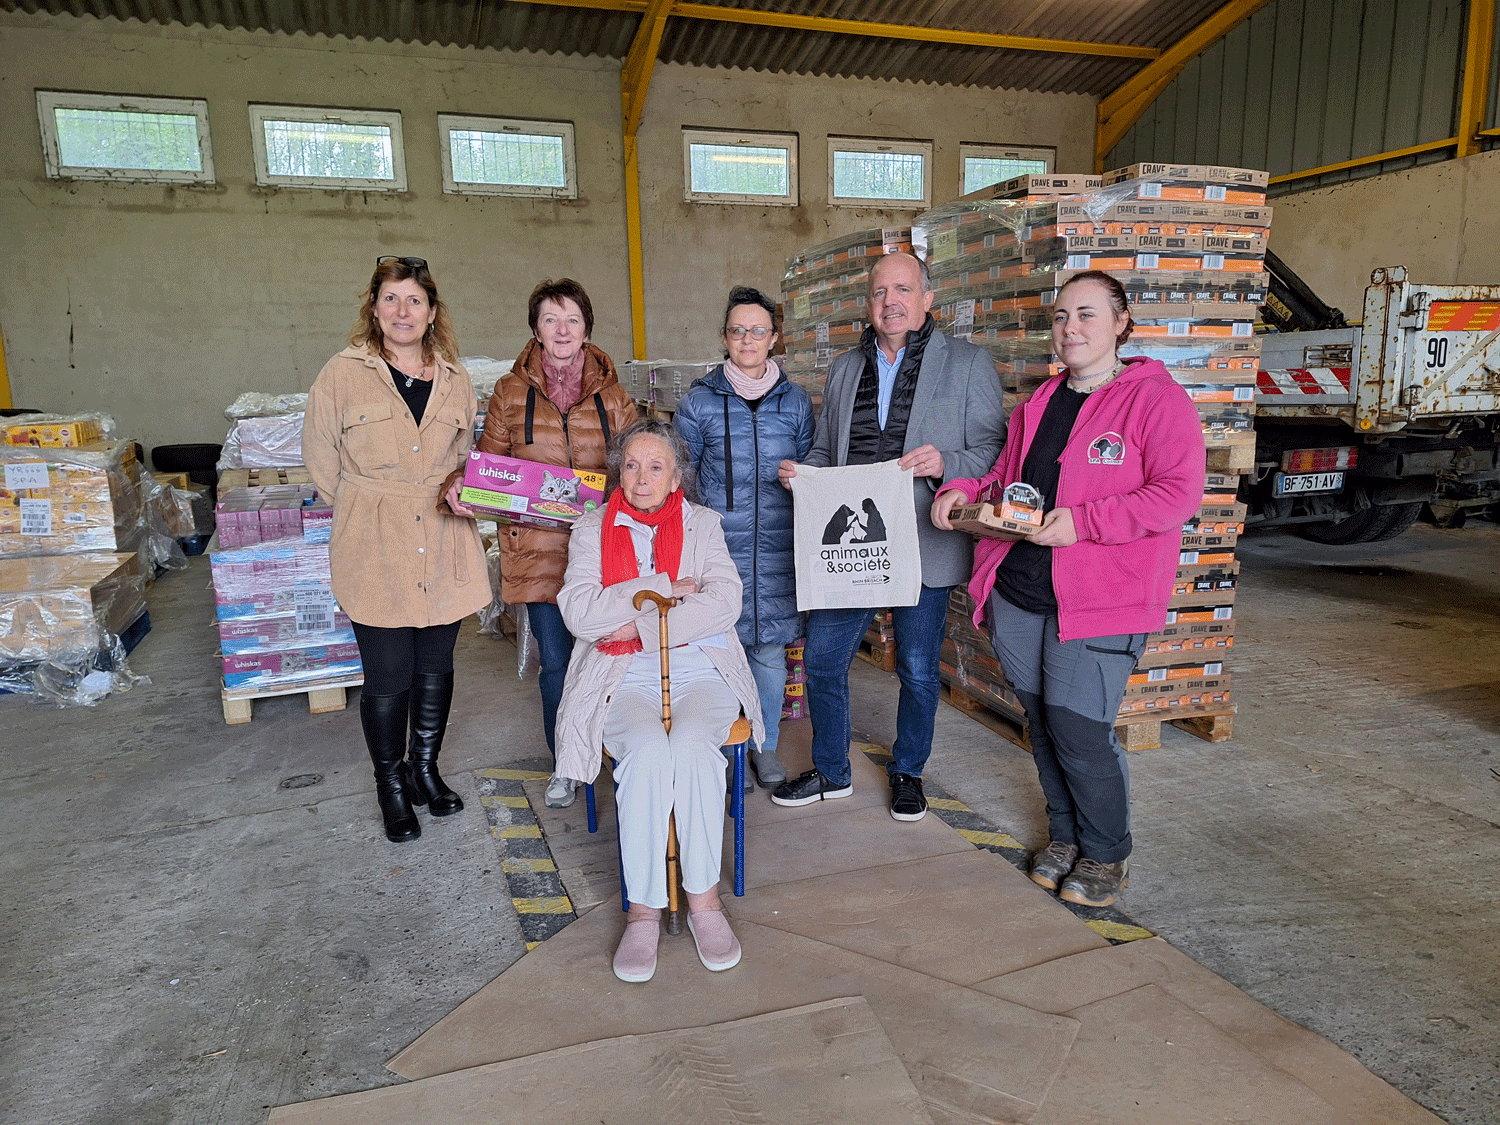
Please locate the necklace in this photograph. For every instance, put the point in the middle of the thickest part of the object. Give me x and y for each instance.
(410, 379)
(1118, 367)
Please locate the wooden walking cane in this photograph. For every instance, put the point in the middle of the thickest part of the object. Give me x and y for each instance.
(674, 904)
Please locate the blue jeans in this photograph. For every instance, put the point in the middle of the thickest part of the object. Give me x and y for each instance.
(768, 666)
(833, 637)
(554, 645)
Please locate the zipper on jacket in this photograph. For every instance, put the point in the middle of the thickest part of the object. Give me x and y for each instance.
(531, 398)
(729, 458)
(755, 523)
(1061, 469)
(1052, 551)
(603, 424)
(567, 437)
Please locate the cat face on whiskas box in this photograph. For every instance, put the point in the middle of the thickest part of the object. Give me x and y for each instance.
(509, 490)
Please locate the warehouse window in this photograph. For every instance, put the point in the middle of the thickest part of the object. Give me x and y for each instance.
(994, 164)
(500, 156)
(120, 137)
(722, 167)
(327, 148)
(875, 173)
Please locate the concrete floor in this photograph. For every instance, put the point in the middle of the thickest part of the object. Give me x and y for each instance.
(187, 941)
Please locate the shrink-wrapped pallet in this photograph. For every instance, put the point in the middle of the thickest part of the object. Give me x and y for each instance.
(56, 500)
(279, 623)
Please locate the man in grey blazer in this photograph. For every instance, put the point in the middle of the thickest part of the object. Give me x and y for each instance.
(908, 392)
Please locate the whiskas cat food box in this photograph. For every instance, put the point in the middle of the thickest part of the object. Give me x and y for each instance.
(509, 490)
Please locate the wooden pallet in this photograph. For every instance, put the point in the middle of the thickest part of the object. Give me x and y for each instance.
(878, 649)
(1136, 733)
(259, 478)
(1008, 726)
(1231, 458)
(1144, 733)
(321, 698)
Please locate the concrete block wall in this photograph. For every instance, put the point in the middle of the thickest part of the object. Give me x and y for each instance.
(160, 303)
(694, 252)
(1441, 221)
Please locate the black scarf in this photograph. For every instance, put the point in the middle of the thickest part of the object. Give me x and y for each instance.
(868, 443)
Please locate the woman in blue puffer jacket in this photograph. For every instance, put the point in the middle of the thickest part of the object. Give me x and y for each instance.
(739, 422)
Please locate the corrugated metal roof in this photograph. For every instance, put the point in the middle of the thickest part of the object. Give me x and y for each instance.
(699, 42)
(1298, 87)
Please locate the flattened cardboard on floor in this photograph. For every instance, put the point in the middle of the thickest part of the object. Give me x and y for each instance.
(940, 916)
(973, 1058)
(1072, 982)
(748, 1070)
(1144, 1058)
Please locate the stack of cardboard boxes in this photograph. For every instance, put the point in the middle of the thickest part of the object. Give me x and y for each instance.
(1187, 242)
(280, 627)
(73, 539)
(794, 703)
(279, 624)
(668, 380)
(824, 296)
(287, 509)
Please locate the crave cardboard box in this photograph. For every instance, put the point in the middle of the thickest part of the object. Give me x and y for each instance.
(1015, 514)
(509, 490)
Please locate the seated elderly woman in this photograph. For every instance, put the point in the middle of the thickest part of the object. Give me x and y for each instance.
(649, 537)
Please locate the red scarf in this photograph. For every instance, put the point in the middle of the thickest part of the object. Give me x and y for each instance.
(617, 549)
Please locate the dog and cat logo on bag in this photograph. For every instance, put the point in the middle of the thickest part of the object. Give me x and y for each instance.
(855, 537)
(1107, 449)
(847, 526)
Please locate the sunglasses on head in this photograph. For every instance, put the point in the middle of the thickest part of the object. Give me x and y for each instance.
(414, 263)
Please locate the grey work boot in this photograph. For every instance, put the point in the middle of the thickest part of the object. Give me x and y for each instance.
(1052, 864)
(1095, 884)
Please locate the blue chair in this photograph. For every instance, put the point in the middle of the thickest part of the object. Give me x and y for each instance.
(739, 740)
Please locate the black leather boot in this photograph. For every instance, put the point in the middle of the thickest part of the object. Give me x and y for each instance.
(384, 720)
(430, 699)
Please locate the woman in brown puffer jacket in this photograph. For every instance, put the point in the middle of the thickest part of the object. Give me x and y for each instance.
(560, 404)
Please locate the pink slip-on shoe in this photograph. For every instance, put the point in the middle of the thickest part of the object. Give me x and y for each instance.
(718, 948)
(635, 956)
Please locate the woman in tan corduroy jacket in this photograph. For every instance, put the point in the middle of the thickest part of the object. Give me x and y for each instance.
(387, 420)
(560, 404)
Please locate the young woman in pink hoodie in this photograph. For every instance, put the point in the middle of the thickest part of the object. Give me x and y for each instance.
(1115, 448)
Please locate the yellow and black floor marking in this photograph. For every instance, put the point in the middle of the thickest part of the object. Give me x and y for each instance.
(1106, 921)
(540, 900)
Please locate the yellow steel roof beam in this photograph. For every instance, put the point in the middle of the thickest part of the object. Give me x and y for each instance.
(1475, 96)
(947, 36)
(1123, 108)
(635, 81)
(635, 73)
(5, 402)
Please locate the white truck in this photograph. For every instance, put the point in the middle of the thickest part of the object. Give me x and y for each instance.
(1357, 428)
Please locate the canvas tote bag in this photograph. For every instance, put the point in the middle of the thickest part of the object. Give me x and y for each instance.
(855, 537)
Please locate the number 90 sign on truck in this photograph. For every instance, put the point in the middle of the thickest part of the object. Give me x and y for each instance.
(1358, 427)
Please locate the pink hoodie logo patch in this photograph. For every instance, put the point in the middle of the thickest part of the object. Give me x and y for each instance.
(1107, 449)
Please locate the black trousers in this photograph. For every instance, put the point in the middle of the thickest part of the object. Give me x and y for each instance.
(1071, 691)
(393, 657)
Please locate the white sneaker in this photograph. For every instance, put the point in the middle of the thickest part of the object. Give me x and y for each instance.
(560, 792)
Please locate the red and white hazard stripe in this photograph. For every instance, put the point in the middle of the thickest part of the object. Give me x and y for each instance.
(1326, 384)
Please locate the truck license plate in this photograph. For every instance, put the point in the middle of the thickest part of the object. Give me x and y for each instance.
(1299, 484)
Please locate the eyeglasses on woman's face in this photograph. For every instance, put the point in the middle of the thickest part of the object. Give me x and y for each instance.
(738, 332)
